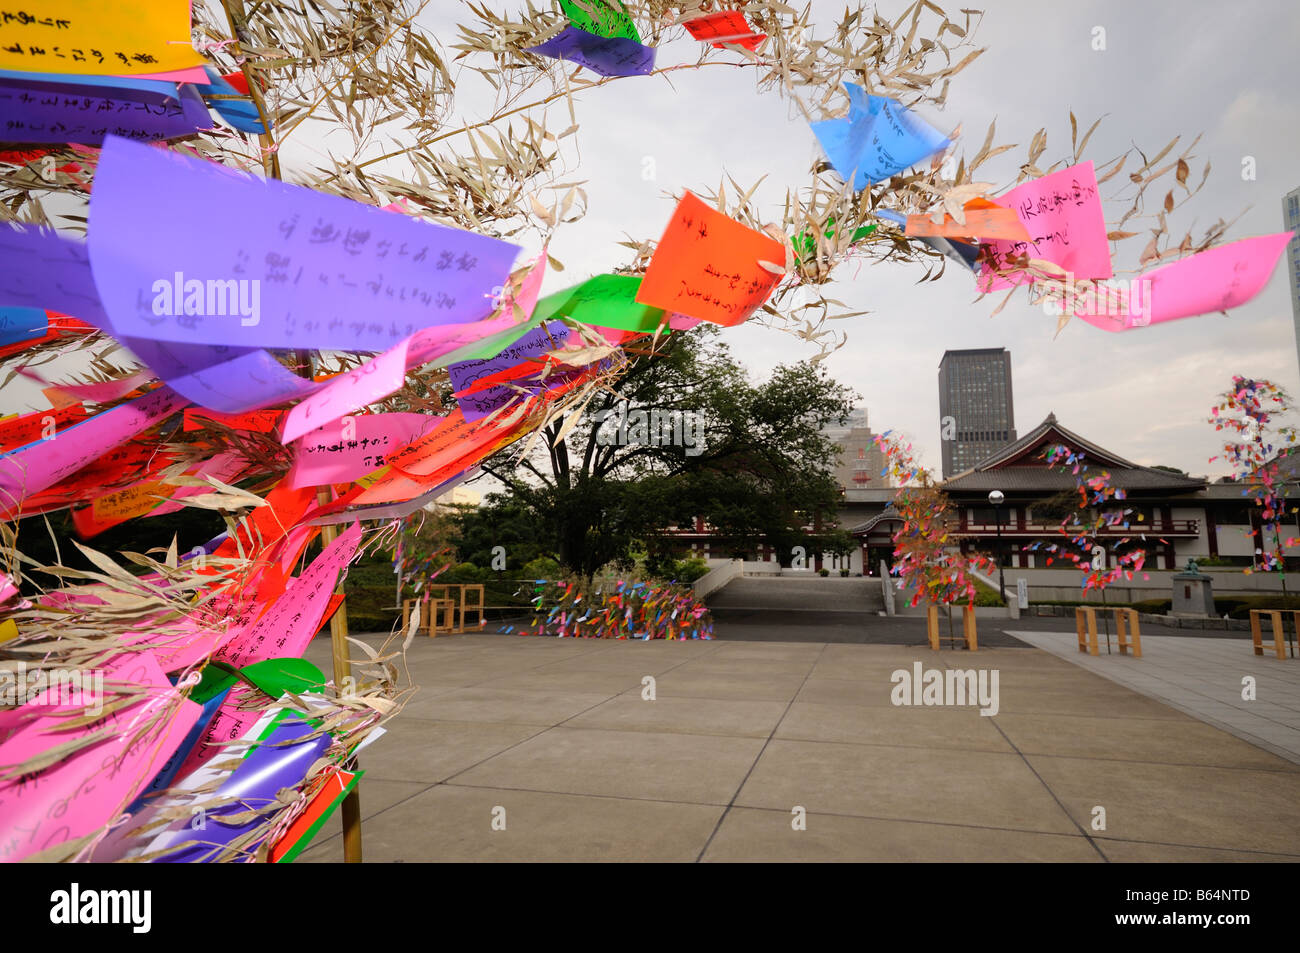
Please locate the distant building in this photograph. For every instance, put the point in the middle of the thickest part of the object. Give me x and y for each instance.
(1173, 517)
(862, 463)
(976, 411)
(1291, 219)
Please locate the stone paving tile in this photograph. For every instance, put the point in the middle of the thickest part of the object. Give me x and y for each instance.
(978, 788)
(873, 690)
(1183, 742)
(567, 680)
(703, 769)
(1203, 678)
(450, 823)
(749, 835)
(414, 749)
(684, 715)
(502, 705)
(1138, 852)
(720, 685)
(1229, 808)
(909, 727)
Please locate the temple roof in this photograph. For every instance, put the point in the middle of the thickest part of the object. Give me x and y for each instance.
(1019, 466)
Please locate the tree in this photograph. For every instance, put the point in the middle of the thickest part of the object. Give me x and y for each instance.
(749, 459)
(927, 559)
(1247, 411)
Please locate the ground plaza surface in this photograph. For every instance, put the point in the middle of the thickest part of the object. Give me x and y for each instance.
(758, 748)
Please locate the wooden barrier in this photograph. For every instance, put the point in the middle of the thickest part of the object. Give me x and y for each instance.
(1279, 635)
(1127, 627)
(465, 599)
(447, 609)
(1088, 615)
(968, 628)
(1131, 629)
(968, 636)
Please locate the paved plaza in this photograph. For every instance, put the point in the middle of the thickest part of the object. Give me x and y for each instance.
(552, 739)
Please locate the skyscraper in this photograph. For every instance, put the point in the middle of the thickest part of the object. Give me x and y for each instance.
(1291, 220)
(976, 413)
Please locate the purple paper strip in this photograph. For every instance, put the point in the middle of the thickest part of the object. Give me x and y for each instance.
(88, 115)
(42, 270)
(249, 382)
(281, 266)
(608, 56)
(543, 338)
(281, 761)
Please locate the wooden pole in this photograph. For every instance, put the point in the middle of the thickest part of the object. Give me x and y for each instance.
(351, 811)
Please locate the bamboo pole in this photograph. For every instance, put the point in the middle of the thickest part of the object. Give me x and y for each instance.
(351, 811)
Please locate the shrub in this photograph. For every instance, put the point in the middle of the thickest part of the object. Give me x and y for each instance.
(543, 567)
(686, 571)
(986, 595)
(1239, 608)
(823, 572)
(844, 572)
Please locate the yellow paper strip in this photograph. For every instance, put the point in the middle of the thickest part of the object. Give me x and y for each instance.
(97, 37)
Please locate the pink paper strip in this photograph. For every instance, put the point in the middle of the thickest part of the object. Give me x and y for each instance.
(353, 446)
(87, 790)
(1063, 215)
(42, 464)
(384, 374)
(285, 629)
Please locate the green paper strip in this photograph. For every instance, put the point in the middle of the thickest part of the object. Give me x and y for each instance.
(489, 347)
(312, 831)
(810, 244)
(273, 676)
(602, 17)
(605, 301)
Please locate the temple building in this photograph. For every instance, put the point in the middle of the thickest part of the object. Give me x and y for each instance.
(1173, 516)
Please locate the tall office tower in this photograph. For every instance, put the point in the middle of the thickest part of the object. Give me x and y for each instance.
(976, 414)
(1291, 219)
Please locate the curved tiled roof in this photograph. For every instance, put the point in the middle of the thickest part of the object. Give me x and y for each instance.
(1015, 467)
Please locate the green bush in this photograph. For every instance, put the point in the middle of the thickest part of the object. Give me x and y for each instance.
(686, 571)
(543, 567)
(1153, 606)
(823, 572)
(1239, 607)
(986, 595)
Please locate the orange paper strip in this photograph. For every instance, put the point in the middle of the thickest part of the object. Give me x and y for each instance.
(707, 266)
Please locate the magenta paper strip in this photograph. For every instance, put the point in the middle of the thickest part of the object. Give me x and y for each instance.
(44, 463)
(1063, 215)
(287, 267)
(353, 446)
(382, 375)
(87, 790)
(285, 629)
(1217, 279)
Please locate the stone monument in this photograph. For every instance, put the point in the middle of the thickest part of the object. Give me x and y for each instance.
(1193, 593)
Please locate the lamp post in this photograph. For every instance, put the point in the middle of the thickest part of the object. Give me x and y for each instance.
(996, 497)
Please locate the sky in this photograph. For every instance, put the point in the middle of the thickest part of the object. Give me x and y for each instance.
(1167, 69)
